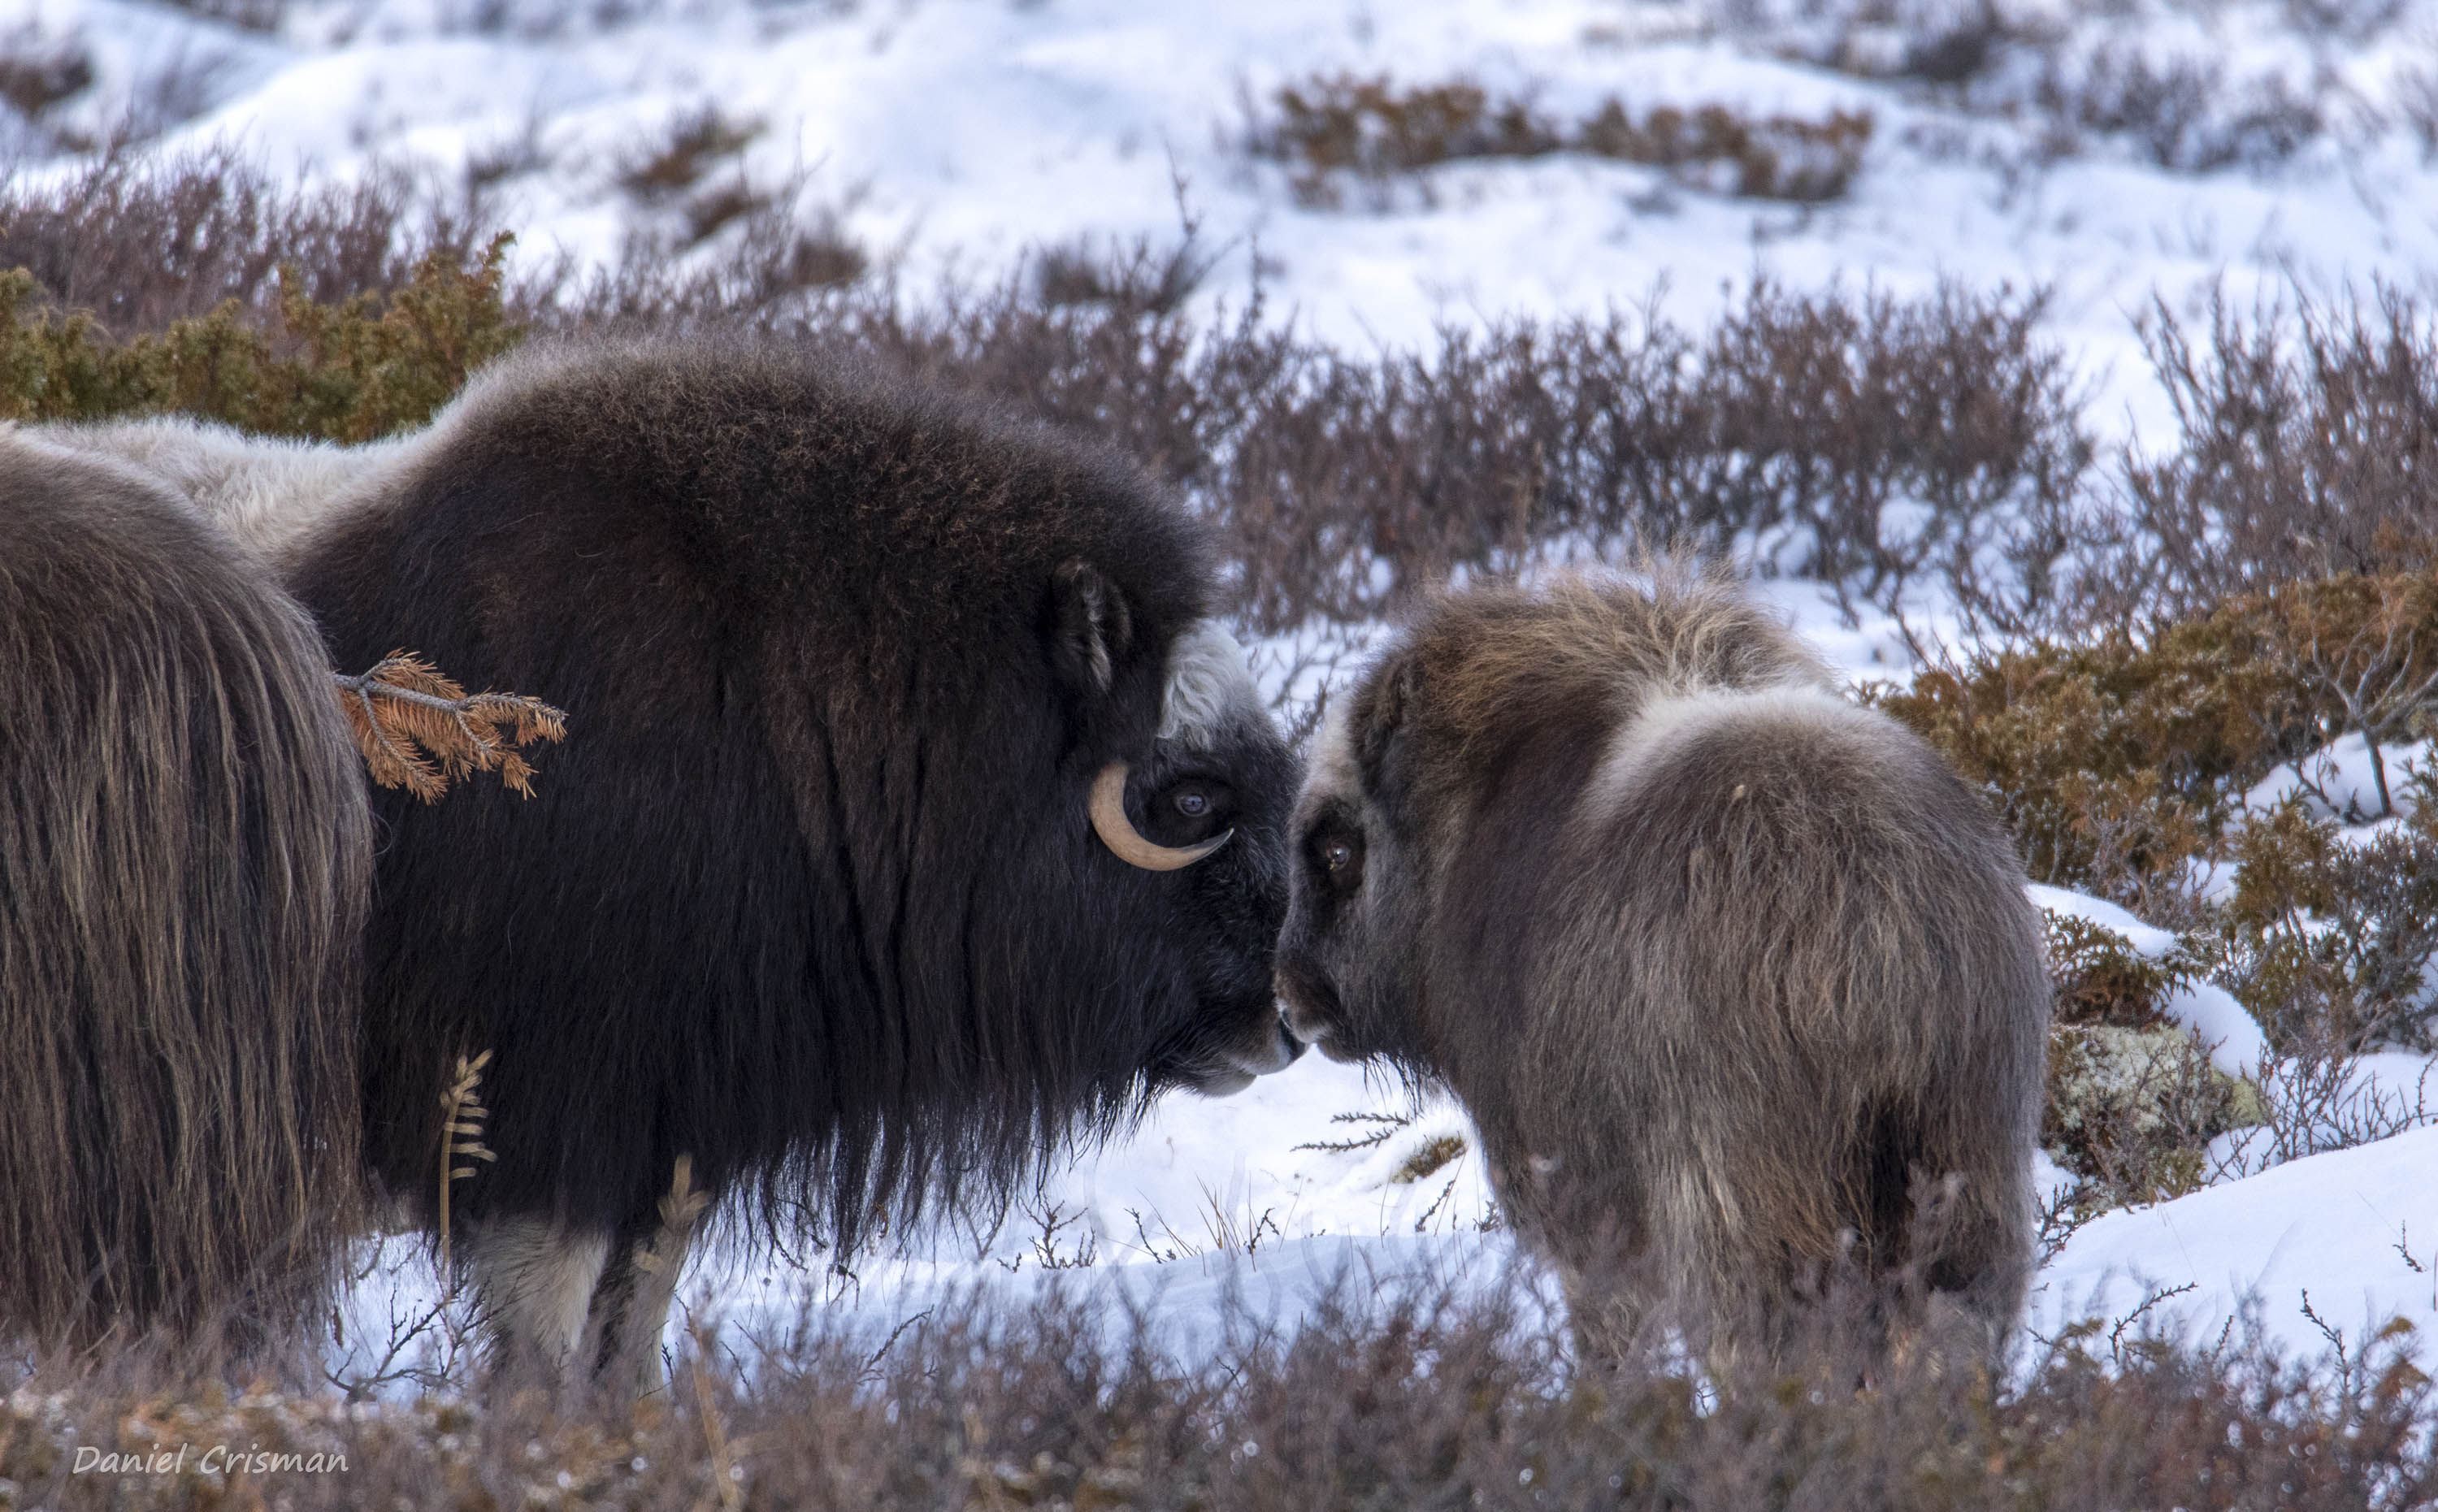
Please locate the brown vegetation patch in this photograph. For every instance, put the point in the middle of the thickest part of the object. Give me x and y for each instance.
(143, 243)
(346, 371)
(2184, 115)
(2121, 765)
(1375, 130)
(697, 142)
(1422, 1398)
(2309, 447)
(38, 71)
(2119, 759)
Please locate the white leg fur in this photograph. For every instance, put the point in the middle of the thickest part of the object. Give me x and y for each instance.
(533, 1282)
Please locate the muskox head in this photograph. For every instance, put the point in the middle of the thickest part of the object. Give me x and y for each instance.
(1359, 866)
(1191, 824)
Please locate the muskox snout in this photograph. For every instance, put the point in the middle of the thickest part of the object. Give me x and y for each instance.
(1309, 1006)
(1274, 1049)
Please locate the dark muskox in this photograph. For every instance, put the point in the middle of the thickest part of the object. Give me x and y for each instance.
(885, 852)
(1737, 980)
(184, 858)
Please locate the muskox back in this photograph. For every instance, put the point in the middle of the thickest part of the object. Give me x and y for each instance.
(184, 858)
(1738, 979)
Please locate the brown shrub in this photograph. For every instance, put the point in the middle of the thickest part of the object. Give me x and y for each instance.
(2184, 115)
(141, 243)
(2119, 759)
(37, 70)
(2121, 763)
(1334, 126)
(2309, 447)
(1862, 439)
(1421, 1399)
(1138, 278)
(247, 15)
(1866, 441)
(695, 143)
(1775, 157)
(2330, 942)
(348, 371)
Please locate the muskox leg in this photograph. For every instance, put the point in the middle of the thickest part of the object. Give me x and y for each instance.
(534, 1284)
(631, 1307)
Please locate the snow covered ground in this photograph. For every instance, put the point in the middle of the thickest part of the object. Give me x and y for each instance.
(956, 137)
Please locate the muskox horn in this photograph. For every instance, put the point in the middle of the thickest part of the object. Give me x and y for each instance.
(1118, 833)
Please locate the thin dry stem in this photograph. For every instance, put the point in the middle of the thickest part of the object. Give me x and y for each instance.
(461, 1137)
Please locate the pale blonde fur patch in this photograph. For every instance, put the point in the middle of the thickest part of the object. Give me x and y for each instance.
(1662, 723)
(267, 491)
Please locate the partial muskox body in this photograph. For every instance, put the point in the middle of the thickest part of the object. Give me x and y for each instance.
(185, 854)
(1735, 977)
(812, 903)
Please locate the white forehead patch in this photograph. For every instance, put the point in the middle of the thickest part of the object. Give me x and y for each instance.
(1333, 757)
(1206, 678)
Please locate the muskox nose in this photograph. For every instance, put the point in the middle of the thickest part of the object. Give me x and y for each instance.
(1285, 1046)
(1274, 1051)
(1304, 1001)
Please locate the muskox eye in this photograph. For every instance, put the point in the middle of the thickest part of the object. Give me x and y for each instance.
(1337, 855)
(1193, 805)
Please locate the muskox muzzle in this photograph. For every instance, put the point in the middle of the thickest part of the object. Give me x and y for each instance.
(1118, 833)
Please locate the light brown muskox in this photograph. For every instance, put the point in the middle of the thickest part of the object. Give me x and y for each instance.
(185, 853)
(1735, 977)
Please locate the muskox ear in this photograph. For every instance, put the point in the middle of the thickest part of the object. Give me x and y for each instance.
(1378, 716)
(1094, 627)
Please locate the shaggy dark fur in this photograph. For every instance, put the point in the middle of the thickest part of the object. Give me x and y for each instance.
(1737, 980)
(184, 859)
(809, 897)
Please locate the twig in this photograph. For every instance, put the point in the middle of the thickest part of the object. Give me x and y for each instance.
(716, 1432)
(418, 730)
(2335, 1336)
(1385, 1126)
(2150, 1298)
(871, 1370)
(460, 1138)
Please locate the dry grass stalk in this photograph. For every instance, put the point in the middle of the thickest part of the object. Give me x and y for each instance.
(714, 1432)
(404, 703)
(461, 1137)
(681, 1207)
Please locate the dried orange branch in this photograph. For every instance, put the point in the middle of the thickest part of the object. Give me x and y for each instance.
(420, 730)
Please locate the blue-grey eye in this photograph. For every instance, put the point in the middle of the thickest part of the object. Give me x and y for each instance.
(1193, 805)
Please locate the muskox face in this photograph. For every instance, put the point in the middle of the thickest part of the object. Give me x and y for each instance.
(1199, 822)
(1350, 957)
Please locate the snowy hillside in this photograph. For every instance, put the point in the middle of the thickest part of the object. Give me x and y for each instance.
(2109, 154)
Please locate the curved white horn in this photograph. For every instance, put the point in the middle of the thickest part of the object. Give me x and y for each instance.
(1118, 833)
